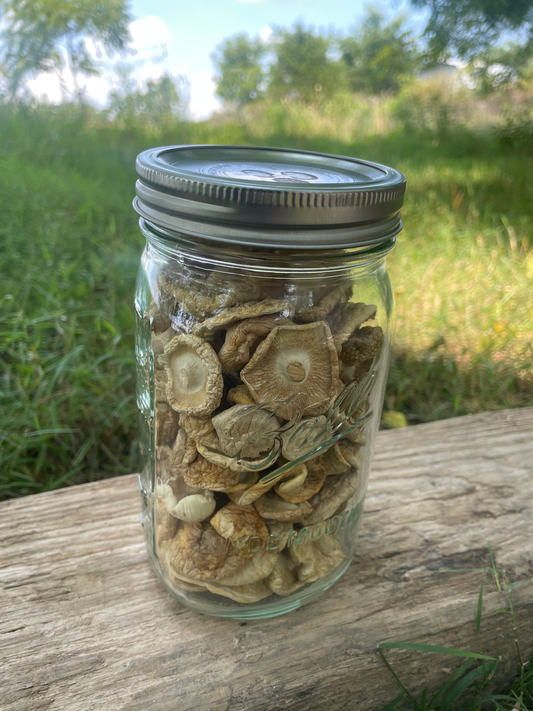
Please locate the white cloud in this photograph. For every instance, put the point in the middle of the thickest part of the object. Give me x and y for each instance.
(265, 34)
(203, 100)
(149, 33)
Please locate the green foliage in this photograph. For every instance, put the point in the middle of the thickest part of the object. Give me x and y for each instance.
(468, 28)
(70, 245)
(379, 56)
(158, 105)
(468, 687)
(48, 35)
(239, 74)
(302, 69)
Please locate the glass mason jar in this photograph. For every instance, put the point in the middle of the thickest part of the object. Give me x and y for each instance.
(264, 321)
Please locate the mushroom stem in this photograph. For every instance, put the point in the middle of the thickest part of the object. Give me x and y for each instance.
(296, 371)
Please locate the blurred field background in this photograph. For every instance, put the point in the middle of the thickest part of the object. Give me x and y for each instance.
(462, 269)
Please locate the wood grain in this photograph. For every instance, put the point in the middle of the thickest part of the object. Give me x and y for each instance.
(85, 624)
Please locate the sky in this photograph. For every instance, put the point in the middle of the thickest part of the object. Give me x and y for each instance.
(178, 37)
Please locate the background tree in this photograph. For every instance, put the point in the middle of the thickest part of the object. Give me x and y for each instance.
(468, 28)
(379, 55)
(51, 35)
(303, 68)
(159, 104)
(239, 73)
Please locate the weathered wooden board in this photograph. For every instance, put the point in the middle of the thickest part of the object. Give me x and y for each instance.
(84, 623)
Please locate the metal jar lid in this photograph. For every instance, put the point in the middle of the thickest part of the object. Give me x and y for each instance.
(269, 197)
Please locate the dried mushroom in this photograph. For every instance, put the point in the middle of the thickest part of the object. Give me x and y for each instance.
(346, 318)
(253, 309)
(200, 429)
(297, 362)
(270, 506)
(303, 488)
(195, 507)
(253, 592)
(336, 491)
(197, 552)
(240, 395)
(246, 431)
(283, 580)
(264, 485)
(202, 474)
(315, 559)
(166, 424)
(307, 434)
(166, 524)
(235, 463)
(201, 297)
(354, 373)
(194, 375)
(242, 338)
(364, 344)
(319, 312)
(239, 524)
(239, 570)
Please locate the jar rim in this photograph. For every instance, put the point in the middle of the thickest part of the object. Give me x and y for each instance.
(241, 195)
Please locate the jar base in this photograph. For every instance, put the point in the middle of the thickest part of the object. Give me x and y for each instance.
(207, 603)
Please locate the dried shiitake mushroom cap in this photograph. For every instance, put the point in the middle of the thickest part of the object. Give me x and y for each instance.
(197, 551)
(297, 362)
(236, 463)
(336, 490)
(252, 309)
(240, 524)
(296, 491)
(270, 506)
(364, 344)
(283, 580)
(315, 559)
(319, 312)
(246, 431)
(195, 382)
(304, 436)
(206, 475)
(200, 429)
(346, 318)
(240, 395)
(239, 570)
(242, 337)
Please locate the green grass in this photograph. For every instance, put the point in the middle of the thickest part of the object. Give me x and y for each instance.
(462, 273)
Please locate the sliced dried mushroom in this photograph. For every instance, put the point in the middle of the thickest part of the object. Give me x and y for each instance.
(194, 375)
(195, 507)
(203, 474)
(252, 309)
(319, 312)
(182, 581)
(335, 491)
(242, 338)
(283, 580)
(253, 592)
(200, 429)
(297, 362)
(296, 491)
(234, 463)
(306, 435)
(240, 395)
(345, 318)
(315, 559)
(336, 461)
(364, 344)
(199, 297)
(240, 524)
(262, 486)
(246, 431)
(271, 506)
